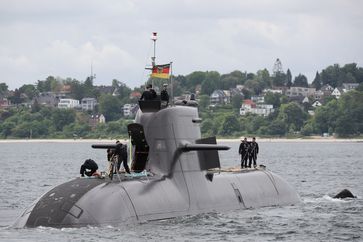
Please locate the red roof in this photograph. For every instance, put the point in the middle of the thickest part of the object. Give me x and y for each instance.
(249, 102)
(135, 95)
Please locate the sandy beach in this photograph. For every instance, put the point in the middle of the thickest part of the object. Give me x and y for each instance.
(310, 139)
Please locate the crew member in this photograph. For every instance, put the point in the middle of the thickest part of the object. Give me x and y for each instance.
(252, 152)
(243, 151)
(111, 158)
(149, 93)
(164, 96)
(121, 152)
(89, 168)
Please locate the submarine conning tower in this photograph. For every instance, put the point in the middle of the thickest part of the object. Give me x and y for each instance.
(167, 130)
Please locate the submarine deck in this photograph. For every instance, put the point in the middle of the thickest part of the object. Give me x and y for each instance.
(146, 175)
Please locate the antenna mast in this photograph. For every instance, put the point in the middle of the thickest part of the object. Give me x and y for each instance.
(277, 69)
(154, 38)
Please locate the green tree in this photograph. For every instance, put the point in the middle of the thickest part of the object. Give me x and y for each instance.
(194, 79)
(237, 101)
(6, 128)
(29, 90)
(273, 98)
(210, 83)
(317, 81)
(279, 79)
(3, 88)
(301, 81)
(110, 107)
(330, 75)
(292, 114)
(326, 117)
(349, 121)
(208, 128)
(277, 127)
(16, 98)
(204, 101)
(62, 117)
(230, 125)
(77, 90)
(288, 78)
(308, 128)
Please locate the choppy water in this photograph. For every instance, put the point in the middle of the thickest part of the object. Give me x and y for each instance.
(317, 170)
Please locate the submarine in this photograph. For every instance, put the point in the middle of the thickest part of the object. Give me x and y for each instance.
(175, 172)
(179, 174)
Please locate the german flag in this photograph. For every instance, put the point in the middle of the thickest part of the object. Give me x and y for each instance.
(161, 71)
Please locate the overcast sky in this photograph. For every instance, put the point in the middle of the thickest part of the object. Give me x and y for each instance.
(62, 38)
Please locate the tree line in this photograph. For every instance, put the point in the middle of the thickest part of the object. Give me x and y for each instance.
(341, 117)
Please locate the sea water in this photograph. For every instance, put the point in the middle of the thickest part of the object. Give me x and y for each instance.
(317, 170)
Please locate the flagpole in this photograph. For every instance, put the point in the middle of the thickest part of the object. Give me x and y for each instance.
(171, 84)
(153, 38)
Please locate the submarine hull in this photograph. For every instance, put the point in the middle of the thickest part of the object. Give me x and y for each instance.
(81, 202)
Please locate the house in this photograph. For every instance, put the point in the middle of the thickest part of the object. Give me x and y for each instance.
(130, 110)
(248, 106)
(326, 89)
(319, 94)
(274, 91)
(95, 119)
(300, 91)
(4, 103)
(316, 103)
(350, 86)
(236, 91)
(227, 96)
(88, 103)
(135, 95)
(258, 99)
(68, 103)
(48, 99)
(337, 92)
(305, 100)
(218, 97)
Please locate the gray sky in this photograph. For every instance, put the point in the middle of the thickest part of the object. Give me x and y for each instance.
(39, 38)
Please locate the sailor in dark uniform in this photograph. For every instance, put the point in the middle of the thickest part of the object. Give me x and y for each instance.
(252, 152)
(121, 152)
(243, 151)
(89, 168)
(164, 96)
(149, 93)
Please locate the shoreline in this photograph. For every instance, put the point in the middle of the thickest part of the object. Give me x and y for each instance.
(272, 140)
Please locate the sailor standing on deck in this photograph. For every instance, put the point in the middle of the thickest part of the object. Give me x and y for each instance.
(252, 152)
(121, 152)
(164, 96)
(243, 151)
(149, 93)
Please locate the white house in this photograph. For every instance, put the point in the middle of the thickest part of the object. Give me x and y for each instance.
(248, 106)
(129, 110)
(68, 103)
(337, 92)
(258, 99)
(96, 119)
(218, 97)
(316, 104)
(88, 103)
(300, 91)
